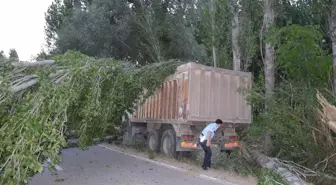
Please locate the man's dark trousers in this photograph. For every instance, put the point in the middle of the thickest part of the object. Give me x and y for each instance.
(207, 154)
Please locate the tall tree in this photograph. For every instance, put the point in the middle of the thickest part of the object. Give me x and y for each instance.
(102, 31)
(13, 54)
(56, 16)
(332, 33)
(42, 55)
(54, 20)
(222, 32)
(2, 54)
(269, 57)
(144, 31)
(235, 10)
(250, 23)
(149, 19)
(212, 9)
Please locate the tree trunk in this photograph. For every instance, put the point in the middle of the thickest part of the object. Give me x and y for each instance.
(332, 26)
(77, 4)
(269, 59)
(270, 163)
(149, 31)
(334, 64)
(33, 64)
(30, 80)
(213, 33)
(234, 7)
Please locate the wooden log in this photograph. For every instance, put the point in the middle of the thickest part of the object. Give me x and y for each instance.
(272, 164)
(23, 79)
(33, 64)
(23, 86)
(31, 80)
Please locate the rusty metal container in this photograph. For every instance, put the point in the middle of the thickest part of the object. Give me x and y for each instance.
(198, 93)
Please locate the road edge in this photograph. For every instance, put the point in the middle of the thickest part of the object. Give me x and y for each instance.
(224, 182)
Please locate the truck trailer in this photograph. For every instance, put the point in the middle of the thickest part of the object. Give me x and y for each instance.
(172, 118)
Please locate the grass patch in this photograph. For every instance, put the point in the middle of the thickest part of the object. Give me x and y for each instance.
(137, 142)
(233, 162)
(237, 164)
(268, 177)
(222, 160)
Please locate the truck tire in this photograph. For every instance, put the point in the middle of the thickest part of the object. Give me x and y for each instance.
(153, 141)
(168, 143)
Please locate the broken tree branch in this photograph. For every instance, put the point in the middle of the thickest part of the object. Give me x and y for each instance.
(328, 113)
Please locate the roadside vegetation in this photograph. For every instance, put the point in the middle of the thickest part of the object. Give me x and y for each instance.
(107, 51)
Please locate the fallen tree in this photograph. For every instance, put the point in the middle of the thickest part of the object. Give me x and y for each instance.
(42, 100)
(288, 172)
(292, 172)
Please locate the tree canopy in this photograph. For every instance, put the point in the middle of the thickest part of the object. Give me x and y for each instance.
(13, 54)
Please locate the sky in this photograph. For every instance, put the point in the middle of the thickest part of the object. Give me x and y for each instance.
(22, 26)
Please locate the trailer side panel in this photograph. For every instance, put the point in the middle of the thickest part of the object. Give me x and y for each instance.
(198, 93)
(219, 94)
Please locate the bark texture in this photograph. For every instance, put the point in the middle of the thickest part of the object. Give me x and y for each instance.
(269, 59)
(332, 26)
(235, 9)
(212, 9)
(273, 164)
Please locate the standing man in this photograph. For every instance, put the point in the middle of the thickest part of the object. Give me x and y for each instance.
(205, 141)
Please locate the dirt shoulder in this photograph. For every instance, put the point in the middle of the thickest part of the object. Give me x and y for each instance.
(187, 166)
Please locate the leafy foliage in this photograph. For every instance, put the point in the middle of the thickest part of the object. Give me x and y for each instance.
(88, 95)
(100, 32)
(141, 32)
(13, 54)
(233, 162)
(303, 67)
(267, 177)
(301, 54)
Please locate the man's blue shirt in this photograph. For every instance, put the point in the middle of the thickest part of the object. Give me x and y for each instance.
(212, 127)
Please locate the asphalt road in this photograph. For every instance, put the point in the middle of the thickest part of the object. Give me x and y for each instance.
(101, 166)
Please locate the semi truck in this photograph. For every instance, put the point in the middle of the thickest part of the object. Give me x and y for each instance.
(172, 118)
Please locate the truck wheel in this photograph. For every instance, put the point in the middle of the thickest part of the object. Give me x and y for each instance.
(168, 143)
(153, 141)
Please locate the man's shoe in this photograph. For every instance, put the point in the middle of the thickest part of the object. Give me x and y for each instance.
(204, 168)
